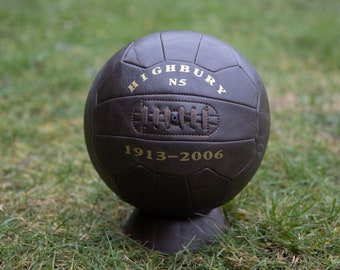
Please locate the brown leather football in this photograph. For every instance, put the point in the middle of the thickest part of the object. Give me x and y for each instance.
(177, 123)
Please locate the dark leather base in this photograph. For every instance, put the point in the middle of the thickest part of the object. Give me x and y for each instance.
(170, 234)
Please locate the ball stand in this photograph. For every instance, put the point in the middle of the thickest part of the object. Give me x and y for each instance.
(172, 234)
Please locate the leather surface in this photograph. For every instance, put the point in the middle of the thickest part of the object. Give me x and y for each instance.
(177, 123)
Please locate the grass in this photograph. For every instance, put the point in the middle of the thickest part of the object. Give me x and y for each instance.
(55, 212)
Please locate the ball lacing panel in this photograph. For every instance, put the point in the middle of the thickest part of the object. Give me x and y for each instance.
(175, 117)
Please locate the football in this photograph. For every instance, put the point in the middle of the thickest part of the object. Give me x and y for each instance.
(177, 123)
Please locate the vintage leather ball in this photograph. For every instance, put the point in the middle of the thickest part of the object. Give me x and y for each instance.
(177, 123)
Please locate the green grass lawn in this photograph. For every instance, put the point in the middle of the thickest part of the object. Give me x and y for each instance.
(55, 212)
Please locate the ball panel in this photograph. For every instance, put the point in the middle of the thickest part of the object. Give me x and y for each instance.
(207, 189)
(113, 79)
(90, 138)
(172, 194)
(177, 46)
(224, 121)
(263, 125)
(136, 185)
(248, 68)
(177, 78)
(242, 179)
(214, 54)
(145, 52)
(241, 89)
(180, 158)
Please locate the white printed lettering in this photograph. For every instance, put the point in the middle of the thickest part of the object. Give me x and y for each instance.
(221, 90)
(199, 75)
(133, 86)
(179, 68)
(170, 68)
(210, 80)
(182, 82)
(143, 76)
(156, 71)
(172, 81)
(184, 68)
